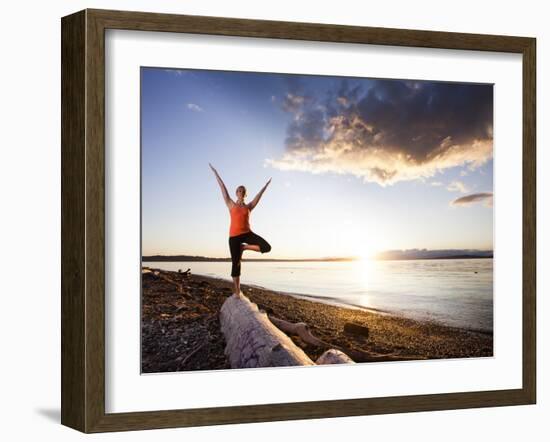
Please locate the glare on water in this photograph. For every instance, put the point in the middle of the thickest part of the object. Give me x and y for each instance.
(457, 292)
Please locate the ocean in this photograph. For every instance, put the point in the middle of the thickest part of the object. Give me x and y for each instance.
(454, 292)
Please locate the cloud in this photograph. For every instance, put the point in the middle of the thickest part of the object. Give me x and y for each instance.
(393, 131)
(484, 197)
(194, 107)
(294, 103)
(457, 186)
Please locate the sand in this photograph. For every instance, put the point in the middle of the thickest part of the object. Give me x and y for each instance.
(181, 329)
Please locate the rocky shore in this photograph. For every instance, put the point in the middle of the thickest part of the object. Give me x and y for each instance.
(180, 326)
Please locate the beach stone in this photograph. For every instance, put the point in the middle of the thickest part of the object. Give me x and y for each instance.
(356, 329)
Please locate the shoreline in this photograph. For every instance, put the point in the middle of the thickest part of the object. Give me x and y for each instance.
(329, 300)
(184, 258)
(336, 303)
(180, 325)
(323, 300)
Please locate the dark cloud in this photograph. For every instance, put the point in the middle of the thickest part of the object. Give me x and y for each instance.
(305, 131)
(293, 103)
(391, 131)
(483, 197)
(417, 117)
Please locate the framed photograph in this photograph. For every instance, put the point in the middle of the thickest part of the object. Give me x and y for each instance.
(267, 220)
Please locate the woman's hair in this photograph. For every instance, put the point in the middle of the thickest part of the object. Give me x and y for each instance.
(241, 187)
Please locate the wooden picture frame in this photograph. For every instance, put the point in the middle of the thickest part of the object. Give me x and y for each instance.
(83, 220)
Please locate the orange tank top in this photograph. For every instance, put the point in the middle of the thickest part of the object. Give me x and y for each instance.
(239, 220)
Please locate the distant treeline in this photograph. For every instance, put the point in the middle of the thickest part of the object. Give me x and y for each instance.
(387, 255)
(182, 258)
(434, 254)
(434, 257)
(175, 258)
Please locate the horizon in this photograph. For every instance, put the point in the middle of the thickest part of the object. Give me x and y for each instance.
(358, 166)
(443, 253)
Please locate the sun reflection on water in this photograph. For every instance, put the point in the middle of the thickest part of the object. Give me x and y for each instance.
(363, 270)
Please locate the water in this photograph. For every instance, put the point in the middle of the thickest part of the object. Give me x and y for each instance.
(456, 292)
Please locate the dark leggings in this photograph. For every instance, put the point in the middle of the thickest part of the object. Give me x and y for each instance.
(235, 242)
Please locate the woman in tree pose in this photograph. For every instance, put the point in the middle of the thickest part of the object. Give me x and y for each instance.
(241, 237)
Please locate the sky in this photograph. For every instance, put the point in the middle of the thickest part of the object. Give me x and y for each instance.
(358, 165)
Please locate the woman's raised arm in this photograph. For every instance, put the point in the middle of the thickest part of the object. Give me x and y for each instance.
(228, 201)
(256, 199)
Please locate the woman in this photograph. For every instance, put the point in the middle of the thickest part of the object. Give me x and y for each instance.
(241, 237)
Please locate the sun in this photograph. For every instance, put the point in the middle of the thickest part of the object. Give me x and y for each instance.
(366, 253)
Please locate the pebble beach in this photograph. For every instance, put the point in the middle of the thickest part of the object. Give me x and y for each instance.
(181, 331)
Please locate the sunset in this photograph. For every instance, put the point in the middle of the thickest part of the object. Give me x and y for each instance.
(366, 165)
(344, 220)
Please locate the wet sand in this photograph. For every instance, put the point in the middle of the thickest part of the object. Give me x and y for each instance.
(181, 329)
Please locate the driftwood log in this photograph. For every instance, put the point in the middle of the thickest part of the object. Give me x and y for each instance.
(253, 341)
(301, 329)
(334, 356)
(330, 356)
(298, 328)
(252, 336)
